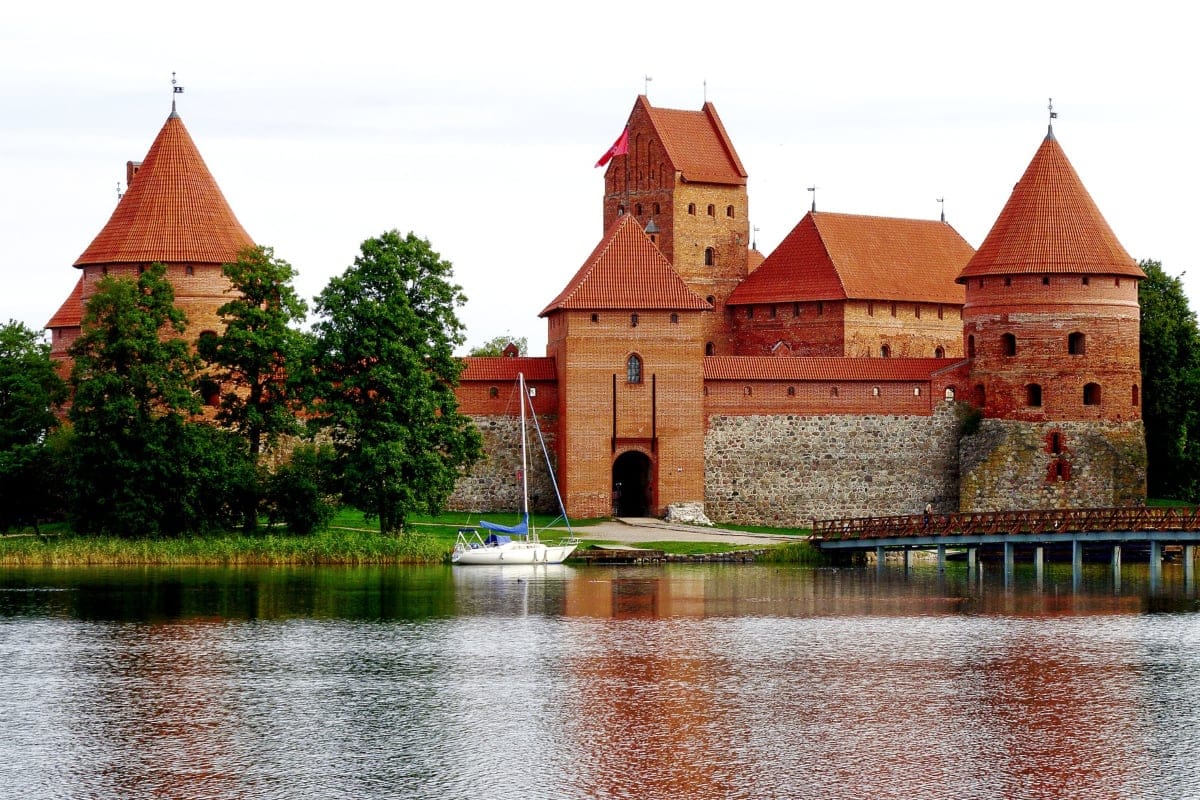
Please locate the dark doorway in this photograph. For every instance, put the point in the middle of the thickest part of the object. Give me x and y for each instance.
(631, 485)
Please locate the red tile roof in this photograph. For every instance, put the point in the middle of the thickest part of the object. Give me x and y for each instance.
(697, 144)
(70, 313)
(1051, 225)
(500, 368)
(173, 211)
(626, 271)
(848, 256)
(772, 368)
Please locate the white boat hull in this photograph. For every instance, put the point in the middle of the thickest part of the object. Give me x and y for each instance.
(513, 553)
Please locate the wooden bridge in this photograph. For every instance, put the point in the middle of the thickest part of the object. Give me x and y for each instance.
(1110, 527)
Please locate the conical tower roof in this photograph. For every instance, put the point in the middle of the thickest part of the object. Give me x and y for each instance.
(173, 211)
(1050, 225)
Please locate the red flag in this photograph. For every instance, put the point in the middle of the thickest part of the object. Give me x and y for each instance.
(620, 147)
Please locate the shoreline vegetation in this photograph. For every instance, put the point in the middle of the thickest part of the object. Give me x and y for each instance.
(350, 540)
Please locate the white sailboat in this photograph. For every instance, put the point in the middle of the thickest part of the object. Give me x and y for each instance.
(517, 544)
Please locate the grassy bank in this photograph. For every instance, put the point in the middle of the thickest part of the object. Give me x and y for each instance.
(350, 540)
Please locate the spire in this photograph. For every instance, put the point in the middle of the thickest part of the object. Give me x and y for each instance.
(1053, 116)
(175, 89)
(172, 210)
(1050, 224)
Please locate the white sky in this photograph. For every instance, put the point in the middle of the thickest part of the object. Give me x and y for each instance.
(476, 125)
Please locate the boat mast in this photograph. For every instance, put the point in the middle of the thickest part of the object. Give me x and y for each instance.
(524, 453)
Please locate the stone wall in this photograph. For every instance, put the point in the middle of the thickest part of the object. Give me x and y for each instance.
(494, 484)
(787, 470)
(1009, 464)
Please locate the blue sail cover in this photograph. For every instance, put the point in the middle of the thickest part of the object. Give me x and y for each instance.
(521, 528)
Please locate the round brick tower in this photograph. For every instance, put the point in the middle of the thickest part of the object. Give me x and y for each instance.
(173, 213)
(1051, 328)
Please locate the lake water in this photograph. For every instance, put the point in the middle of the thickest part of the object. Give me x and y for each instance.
(585, 682)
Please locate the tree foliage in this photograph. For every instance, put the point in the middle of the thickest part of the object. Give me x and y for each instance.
(1170, 356)
(495, 346)
(30, 393)
(139, 465)
(385, 346)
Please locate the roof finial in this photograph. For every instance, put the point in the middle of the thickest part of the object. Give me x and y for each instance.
(175, 89)
(754, 241)
(706, 91)
(118, 191)
(942, 203)
(813, 189)
(1053, 116)
(646, 86)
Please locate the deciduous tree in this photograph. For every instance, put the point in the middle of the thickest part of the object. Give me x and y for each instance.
(386, 340)
(1170, 355)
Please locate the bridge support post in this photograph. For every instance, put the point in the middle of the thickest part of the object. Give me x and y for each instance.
(907, 559)
(1076, 564)
(941, 555)
(1039, 564)
(1008, 563)
(972, 561)
(880, 559)
(1155, 565)
(1116, 567)
(1189, 565)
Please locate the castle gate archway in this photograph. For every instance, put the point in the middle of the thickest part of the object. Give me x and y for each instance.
(631, 484)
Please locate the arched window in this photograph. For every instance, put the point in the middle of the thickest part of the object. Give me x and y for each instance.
(712, 210)
(980, 394)
(621, 210)
(674, 319)
(885, 351)
(916, 391)
(710, 349)
(633, 320)
(494, 391)
(190, 270)
(971, 346)
(710, 257)
(1091, 394)
(1076, 344)
(791, 391)
(833, 391)
(729, 211)
(1033, 395)
(1135, 394)
(949, 392)
(692, 209)
(633, 369)
(1045, 280)
(595, 317)
(656, 210)
(939, 352)
(875, 391)
(1008, 344)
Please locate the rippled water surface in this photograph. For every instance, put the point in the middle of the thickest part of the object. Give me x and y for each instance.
(649, 682)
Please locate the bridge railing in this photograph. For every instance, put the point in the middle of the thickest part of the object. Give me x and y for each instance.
(1078, 520)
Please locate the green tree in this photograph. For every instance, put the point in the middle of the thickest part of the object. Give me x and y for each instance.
(495, 346)
(1170, 355)
(385, 350)
(139, 465)
(30, 393)
(260, 358)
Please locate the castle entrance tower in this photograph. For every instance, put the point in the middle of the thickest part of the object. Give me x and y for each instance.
(1051, 325)
(683, 182)
(623, 334)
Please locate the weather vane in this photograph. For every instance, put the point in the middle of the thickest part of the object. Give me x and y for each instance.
(1053, 116)
(813, 189)
(754, 241)
(942, 203)
(646, 85)
(175, 89)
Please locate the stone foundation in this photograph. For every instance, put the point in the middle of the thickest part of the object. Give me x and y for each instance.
(494, 484)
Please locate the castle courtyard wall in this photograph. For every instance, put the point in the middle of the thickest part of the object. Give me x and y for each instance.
(787, 470)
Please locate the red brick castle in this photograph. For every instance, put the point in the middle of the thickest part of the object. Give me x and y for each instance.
(867, 366)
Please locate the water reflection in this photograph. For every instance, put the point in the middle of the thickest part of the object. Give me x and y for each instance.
(557, 681)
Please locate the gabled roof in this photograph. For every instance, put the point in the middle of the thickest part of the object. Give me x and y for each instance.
(626, 271)
(772, 368)
(172, 211)
(500, 368)
(70, 313)
(1051, 225)
(848, 256)
(696, 144)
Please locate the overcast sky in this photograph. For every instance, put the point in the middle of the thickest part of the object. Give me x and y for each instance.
(476, 125)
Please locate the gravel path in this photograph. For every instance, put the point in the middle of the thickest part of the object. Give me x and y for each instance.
(636, 531)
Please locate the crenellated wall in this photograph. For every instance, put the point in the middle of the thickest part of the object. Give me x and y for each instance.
(786, 470)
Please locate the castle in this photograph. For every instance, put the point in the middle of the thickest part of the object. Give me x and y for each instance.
(867, 366)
